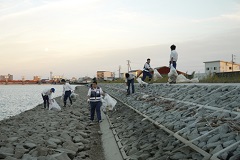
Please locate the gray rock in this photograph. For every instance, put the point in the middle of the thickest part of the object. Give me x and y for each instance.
(235, 157)
(197, 156)
(228, 143)
(77, 139)
(66, 136)
(10, 158)
(29, 145)
(28, 157)
(70, 146)
(51, 144)
(143, 156)
(42, 151)
(84, 135)
(178, 155)
(4, 155)
(85, 141)
(214, 138)
(55, 140)
(12, 139)
(132, 151)
(213, 145)
(61, 156)
(217, 149)
(71, 154)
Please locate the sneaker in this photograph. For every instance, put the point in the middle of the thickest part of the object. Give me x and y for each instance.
(99, 121)
(91, 123)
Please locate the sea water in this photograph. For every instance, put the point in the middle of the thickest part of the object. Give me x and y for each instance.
(15, 99)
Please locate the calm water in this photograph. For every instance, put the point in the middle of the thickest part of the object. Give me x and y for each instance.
(15, 99)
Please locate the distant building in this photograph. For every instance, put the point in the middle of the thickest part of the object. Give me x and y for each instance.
(36, 78)
(134, 72)
(8, 77)
(57, 78)
(220, 66)
(105, 75)
(84, 80)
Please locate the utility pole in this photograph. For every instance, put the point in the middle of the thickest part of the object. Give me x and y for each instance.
(128, 64)
(119, 71)
(233, 57)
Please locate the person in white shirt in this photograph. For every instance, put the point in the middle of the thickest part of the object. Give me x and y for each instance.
(173, 56)
(129, 81)
(94, 96)
(47, 95)
(147, 71)
(67, 91)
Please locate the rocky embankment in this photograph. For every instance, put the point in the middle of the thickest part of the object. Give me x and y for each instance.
(177, 121)
(40, 134)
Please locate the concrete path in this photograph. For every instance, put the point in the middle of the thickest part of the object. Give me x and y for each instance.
(110, 146)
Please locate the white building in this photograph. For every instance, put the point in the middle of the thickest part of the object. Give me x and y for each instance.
(220, 66)
(105, 75)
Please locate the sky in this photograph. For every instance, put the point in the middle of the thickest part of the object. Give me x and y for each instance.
(76, 38)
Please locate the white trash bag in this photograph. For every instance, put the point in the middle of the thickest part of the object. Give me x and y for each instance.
(172, 75)
(104, 104)
(110, 102)
(54, 106)
(74, 96)
(194, 80)
(182, 79)
(141, 82)
(156, 75)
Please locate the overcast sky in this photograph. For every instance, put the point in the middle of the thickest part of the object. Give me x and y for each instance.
(75, 38)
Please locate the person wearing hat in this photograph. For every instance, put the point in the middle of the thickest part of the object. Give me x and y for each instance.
(173, 56)
(46, 95)
(67, 91)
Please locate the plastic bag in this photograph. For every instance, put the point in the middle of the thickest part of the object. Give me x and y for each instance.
(172, 75)
(110, 102)
(74, 96)
(104, 105)
(141, 82)
(156, 75)
(54, 106)
(194, 80)
(182, 79)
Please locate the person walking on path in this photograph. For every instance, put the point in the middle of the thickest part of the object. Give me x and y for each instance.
(94, 97)
(67, 91)
(47, 97)
(147, 71)
(129, 81)
(173, 56)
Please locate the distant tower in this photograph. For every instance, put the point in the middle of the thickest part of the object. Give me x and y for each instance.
(51, 75)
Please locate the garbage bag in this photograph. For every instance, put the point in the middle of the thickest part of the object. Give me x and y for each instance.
(110, 102)
(141, 82)
(156, 75)
(104, 105)
(194, 80)
(74, 96)
(54, 106)
(182, 79)
(172, 75)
